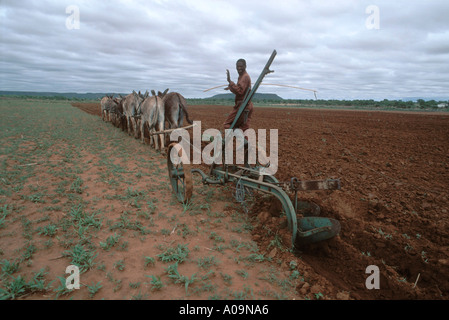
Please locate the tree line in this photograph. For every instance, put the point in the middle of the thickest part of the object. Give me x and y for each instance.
(396, 104)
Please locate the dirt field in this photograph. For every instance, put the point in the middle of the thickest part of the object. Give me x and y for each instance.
(76, 190)
(393, 204)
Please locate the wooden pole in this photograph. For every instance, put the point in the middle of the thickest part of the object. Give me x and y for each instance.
(171, 130)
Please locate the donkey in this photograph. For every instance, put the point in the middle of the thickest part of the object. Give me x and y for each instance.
(131, 110)
(153, 115)
(116, 113)
(175, 110)
(107, 102)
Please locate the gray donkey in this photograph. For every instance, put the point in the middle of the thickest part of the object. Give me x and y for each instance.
(153, 115)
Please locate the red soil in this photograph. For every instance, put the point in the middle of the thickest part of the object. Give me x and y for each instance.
(393, 204)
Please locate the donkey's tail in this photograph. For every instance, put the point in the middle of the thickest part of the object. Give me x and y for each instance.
(184, 108)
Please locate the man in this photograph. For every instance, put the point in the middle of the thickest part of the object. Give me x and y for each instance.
(240, 89)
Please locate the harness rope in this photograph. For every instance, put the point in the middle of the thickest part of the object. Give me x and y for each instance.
(265, 84)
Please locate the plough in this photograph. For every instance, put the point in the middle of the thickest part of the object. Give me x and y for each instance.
(305, 226)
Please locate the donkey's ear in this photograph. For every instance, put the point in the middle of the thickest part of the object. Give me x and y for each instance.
(165, 92)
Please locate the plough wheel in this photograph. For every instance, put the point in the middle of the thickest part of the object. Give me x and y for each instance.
(180, 176)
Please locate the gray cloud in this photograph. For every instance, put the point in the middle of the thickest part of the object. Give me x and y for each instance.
(187, 46)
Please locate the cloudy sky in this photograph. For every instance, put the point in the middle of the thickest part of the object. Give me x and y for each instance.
(348, 49)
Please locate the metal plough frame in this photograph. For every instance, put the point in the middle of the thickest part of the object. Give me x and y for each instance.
(307, 229)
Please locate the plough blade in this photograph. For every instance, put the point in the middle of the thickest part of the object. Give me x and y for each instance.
(316, 229)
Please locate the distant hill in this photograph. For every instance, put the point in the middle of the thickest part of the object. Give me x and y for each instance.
(257, 96)
(67, 95)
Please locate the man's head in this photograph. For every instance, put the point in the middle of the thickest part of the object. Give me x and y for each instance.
(240, 66)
